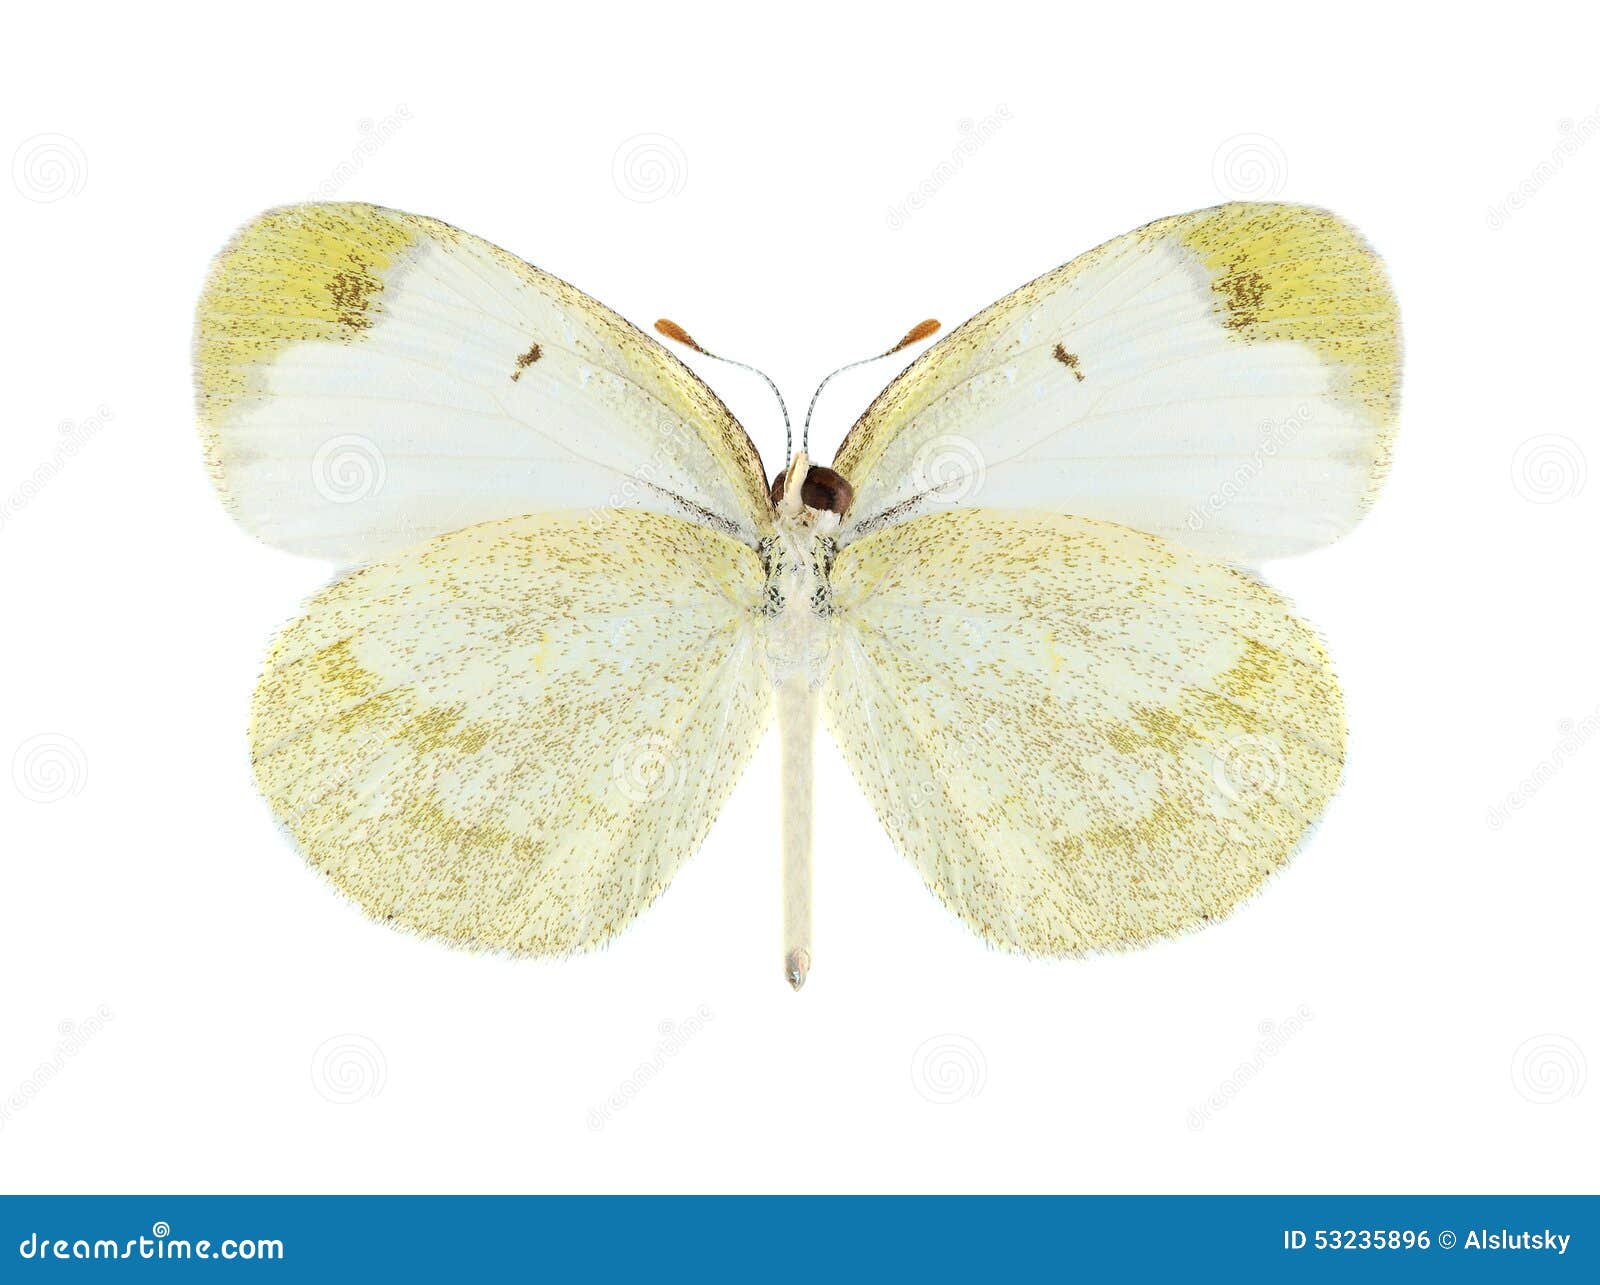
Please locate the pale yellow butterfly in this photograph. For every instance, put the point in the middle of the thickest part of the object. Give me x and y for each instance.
(1020, 595)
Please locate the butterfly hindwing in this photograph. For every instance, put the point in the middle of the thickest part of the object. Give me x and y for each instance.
(1226, 379)
(1083, 736)
(511, 736)
(368, 379)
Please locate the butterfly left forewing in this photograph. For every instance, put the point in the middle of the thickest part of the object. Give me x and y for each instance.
(1083, 736)
(369, 378)
(511, 736)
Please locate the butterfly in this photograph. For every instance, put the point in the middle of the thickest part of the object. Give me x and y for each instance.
(1022, 597)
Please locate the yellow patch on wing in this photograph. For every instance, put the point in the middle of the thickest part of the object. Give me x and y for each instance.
(1296, 273)
(1083, 737)
(1227, 379)
(511, 737)
(304, 272)
(368, 378)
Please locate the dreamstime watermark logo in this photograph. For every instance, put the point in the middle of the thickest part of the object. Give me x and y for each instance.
(1250, 167)
(1275, 1035)
(348, 468)
(160, 1245)
(1549, 468)
(675, 1036)
(375, 135)
(1272, 435)
(75, 434)
(49, 767)
(1247, 768)
(973, 136)
(73, 1037)
(1573, 135)
(948, 469)
(49, 167)
(673, 441)
(949, 1068)
(650, 769)
(649, 167)
(348, 1068)
(1574, 736)
(1548, 1068)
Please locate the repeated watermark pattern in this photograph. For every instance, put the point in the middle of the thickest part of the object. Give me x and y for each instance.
(348, 468)
(675, 1037)
(672, 439)
(948, 469)
(74, 1037)
(1247, 768)
(973, 135)
(1548, 1068)
(49, 167)
(1574, 735)
(949, 1068)
(349, 1068)
(649, 167)
(1572, 136)
(49, 767)
(1272, 436)
(1250, 167)
(75, 434)
(650, 769)
(375, 135)
(1549, 468)
(1275, 1036)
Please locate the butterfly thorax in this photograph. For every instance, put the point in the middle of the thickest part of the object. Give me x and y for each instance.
(798, 601)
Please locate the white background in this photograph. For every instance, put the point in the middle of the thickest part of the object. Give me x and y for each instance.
(1410, 1006)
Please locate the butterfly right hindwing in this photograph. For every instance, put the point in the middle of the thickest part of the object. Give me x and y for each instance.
(1083, 736)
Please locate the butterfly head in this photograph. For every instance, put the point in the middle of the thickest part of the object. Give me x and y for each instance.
(807, 491)
(814, 492)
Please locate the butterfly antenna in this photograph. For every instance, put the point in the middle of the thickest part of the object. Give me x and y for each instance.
(915, 335)
(672, 330)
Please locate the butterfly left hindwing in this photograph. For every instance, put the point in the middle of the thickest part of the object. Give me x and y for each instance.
(513, 735)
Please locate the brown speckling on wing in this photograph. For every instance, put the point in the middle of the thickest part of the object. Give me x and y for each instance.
(1195, 328)
(511, 737)
(1069, 360)
(1082, 736)
(315, 315)
(524, 361)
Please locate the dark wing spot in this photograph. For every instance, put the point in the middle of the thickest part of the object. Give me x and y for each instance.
(1069, 360)
(352, 291)
(525, 360)
(1243, 292)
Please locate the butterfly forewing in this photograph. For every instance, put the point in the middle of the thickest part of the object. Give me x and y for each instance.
(369, 378)
(1227, 379)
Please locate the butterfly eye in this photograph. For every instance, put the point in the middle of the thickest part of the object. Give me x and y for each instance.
(823, 490)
